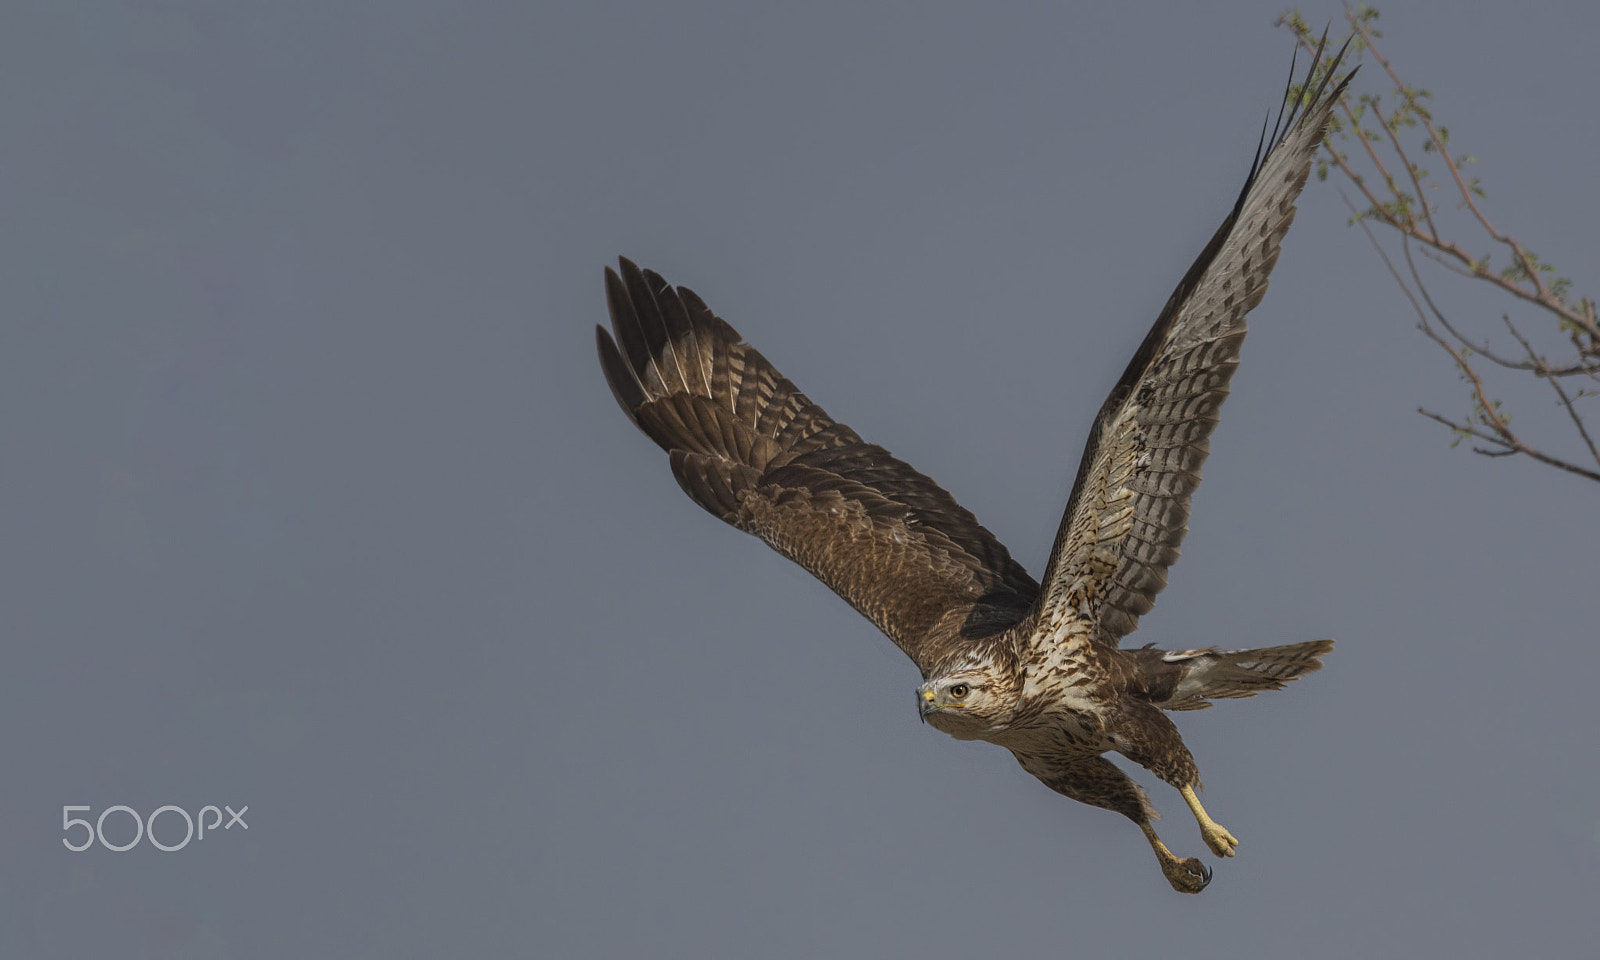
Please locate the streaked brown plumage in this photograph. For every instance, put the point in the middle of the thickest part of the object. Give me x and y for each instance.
(1034, 667)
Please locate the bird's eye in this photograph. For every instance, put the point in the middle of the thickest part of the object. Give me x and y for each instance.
(959, 690)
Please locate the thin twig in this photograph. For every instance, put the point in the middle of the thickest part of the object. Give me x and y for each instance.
(1490, 415)
(1555, 385)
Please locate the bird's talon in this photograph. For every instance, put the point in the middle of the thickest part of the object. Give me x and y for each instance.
(1186, 875)
(1221, 842)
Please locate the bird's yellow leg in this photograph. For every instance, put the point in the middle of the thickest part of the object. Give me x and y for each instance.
(1216, 836)
(1186, 874)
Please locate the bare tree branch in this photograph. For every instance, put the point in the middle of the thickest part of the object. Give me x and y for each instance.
(1408, 212)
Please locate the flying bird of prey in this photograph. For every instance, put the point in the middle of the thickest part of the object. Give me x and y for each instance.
(1034, 667)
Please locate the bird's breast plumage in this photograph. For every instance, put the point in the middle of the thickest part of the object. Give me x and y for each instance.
(1064, 693)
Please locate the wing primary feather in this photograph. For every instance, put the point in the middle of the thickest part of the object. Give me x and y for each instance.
(630, 334)
(680, 334)
(1284, 105)
(1255, 165)
(653, 325)
(715, 339)
(619, 376)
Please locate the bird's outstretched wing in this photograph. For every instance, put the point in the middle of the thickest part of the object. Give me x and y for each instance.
(749, 447)
(1129, 508)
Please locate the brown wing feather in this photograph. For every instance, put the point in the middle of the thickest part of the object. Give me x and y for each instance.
(749, 447)
(1129, 508)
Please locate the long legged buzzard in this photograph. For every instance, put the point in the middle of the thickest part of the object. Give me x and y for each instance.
(1034, 668)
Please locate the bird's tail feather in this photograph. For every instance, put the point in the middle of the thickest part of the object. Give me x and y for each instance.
(1213, 674)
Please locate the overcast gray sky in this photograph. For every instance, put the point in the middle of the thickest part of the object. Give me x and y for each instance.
(315, 500)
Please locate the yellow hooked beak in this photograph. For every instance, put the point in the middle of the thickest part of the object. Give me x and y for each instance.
(926, 704)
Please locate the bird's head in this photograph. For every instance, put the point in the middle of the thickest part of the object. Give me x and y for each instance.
(966, 703)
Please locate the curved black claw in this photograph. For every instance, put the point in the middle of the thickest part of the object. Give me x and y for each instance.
(1186, 875)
